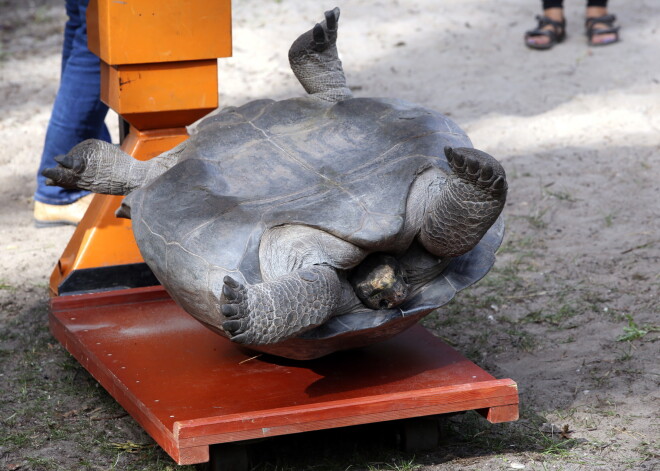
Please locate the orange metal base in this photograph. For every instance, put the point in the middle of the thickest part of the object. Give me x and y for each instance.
(190, 388)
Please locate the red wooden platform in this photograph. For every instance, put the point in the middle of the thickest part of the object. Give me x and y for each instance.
(190, 388)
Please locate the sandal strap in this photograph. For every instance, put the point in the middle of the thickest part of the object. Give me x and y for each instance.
(608, 20)
(545, 21)
(557, 33)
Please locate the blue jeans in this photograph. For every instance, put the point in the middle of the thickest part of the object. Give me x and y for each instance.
(78, 112)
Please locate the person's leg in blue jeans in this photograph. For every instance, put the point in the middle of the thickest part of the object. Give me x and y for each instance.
(78, 114)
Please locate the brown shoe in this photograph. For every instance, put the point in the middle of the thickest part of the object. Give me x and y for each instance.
(48, 215)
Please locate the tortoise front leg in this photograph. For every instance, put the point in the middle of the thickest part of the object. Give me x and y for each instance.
(101, 167)
(276, 310)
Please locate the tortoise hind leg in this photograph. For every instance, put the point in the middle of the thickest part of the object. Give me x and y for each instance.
(314, 60)
(273, 311)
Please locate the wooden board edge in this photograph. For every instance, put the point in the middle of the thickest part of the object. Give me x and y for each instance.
(336, 422)
(397, 405)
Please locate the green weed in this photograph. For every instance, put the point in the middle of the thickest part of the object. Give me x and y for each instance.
(3, 284)
(42, 463)
(536, 219)
(396, 465)
(634, 332)
(561, 196)
(41, 15)
(609, 219)
(557, 318)
(130, 447)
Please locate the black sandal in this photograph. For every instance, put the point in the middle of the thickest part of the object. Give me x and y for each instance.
(592, 30)
(555, 35)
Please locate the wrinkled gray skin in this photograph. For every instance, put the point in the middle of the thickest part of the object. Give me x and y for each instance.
(256, 223)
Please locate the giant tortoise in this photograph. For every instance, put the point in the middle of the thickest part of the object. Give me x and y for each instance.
(313, 224)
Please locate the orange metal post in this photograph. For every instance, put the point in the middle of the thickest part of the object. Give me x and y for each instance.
(159, 72)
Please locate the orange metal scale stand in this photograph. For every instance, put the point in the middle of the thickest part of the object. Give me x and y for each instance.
(188, 387)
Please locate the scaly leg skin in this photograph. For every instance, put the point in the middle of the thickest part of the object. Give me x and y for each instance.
(101, 167)
(314, 60)
(274, 311)
(468, 204)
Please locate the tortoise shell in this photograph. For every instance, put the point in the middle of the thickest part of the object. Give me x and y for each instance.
(345, 168)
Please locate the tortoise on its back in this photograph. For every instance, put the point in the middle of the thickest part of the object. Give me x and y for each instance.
(319, 216)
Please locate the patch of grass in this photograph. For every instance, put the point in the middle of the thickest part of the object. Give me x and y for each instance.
(396, 465)
(522, 339)
(600, 379)
(647, 451)
(536, 218)
(554, 447)
(626, 355)
(3, 284)
(41, 14)
(523, 244)
(524, 435)
(556, 318)
(477, 346)
(506, 278)
(609, 220)
(15, 439)
(42, 463)
(561, 196)
(129, 447)
(635, 332)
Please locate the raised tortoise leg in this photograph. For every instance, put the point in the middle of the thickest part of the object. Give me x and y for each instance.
(314, 60)
(467, 205)
(273, 311)
(101, 167)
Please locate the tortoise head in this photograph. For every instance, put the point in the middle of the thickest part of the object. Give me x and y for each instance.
(380, 282)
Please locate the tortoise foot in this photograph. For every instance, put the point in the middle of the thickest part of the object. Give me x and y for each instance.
(325, 34)
(96, 166)
(315, 61)
(235, 308)
(322, 38)
(270, 312)
(73, 169)
(477, 168)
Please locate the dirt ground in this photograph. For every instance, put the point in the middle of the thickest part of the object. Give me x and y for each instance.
(570, 310)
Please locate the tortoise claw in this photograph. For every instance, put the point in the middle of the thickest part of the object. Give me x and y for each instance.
(64, 160)
(229, 281)
(234, 327)
(458, 161)
(229, 293)
(499, 184)
(229, 310)
(244, 338)
(472, 168)
(486, 173)
(449, 154)
(318, 34)
(331, 19)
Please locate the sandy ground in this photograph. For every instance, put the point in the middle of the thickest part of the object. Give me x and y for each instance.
(570, 310)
